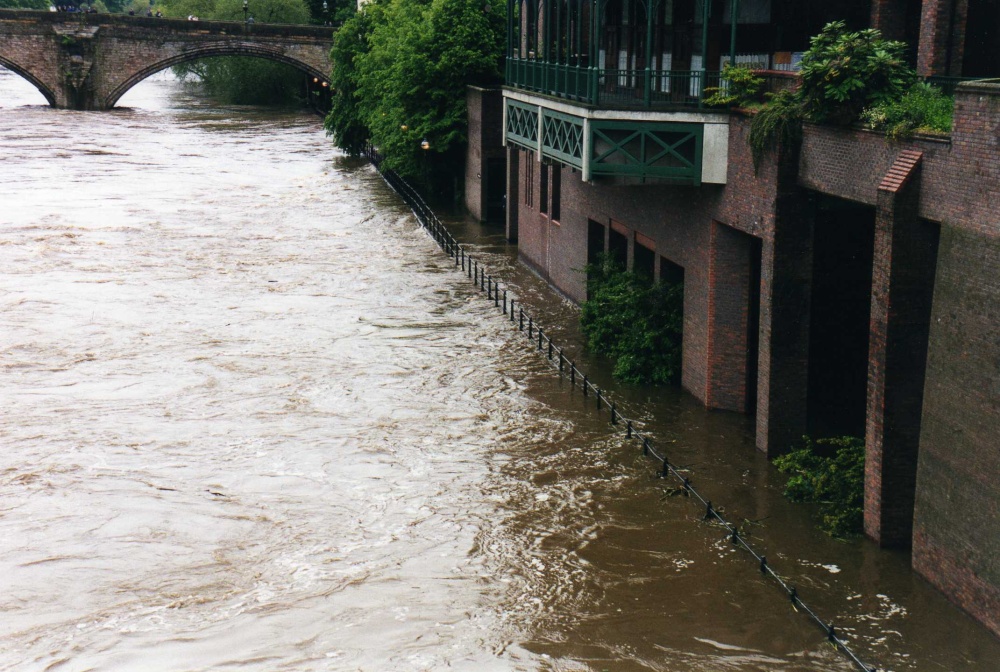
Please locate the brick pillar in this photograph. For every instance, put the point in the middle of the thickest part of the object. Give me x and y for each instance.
(728, 309)
(513, 191)
(902, 290)
(785, 294)
(475, 154)
(889, 17)
(942, 37)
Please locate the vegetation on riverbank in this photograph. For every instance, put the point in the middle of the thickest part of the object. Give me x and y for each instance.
(635, 322)
(831, 473)
(400, 68)
(242, 80)
(24, 4)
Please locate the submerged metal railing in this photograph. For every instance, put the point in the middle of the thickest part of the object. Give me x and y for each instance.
(505, 301)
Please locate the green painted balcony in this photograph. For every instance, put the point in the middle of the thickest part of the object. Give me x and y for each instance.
(649, 89)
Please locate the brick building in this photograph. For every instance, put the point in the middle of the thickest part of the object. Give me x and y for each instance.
(850, 287)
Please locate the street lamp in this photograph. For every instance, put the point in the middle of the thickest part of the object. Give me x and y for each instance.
(326, 21)
(246, 8)
(425, 144)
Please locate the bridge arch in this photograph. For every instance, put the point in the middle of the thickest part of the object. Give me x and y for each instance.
(257, 50)
(24, 73)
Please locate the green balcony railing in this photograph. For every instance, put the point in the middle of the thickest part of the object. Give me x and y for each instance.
(612, 88)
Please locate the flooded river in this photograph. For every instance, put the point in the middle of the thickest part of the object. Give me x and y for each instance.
(253, 419)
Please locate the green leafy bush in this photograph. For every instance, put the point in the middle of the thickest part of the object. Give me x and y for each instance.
(635, 322)
(830, 472)
(924, 109)
(743, 88)
(844, 72)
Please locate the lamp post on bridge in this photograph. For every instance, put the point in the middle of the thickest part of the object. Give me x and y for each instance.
(326, 18)
(246, 8)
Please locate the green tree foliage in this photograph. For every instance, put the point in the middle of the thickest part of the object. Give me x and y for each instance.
(236, 79)
(346, 120)
(337, 11)
(400, 71)
(924, 109)
(263, 11)
(844, 72)
(636, 323)
(24, 4)
(239, 80)
(831, 473)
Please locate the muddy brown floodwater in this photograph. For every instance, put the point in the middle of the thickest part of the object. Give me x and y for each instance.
(253, 419)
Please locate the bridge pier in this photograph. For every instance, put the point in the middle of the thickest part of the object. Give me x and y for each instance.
(76, 56)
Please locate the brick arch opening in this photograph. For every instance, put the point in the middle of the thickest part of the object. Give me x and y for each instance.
(210, 51)
(37, 83)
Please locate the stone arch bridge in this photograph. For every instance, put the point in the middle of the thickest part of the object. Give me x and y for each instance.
(89, 61)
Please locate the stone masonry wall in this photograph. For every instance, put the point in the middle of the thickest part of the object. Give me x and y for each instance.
(87, 61)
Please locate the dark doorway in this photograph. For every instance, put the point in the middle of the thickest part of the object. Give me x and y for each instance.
(843, 245)
(595, 241)
(670, 272)
(753, 327)
(618, 248)
(644, 263)
(980, 58)
(496, 186)
(672, 275)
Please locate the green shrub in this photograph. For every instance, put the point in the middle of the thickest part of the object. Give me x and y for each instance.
(845, 72)
(830, 472)
(636, 323)
(743, 88)
(924, 109)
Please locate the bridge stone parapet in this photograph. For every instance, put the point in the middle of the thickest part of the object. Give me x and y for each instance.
(89, 61)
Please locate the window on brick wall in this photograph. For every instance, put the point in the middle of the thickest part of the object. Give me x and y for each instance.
(556, 188)
(543, 202)
(529, 180)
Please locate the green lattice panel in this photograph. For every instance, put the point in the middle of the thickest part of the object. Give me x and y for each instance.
(647, 150)
(562, 138)
(522, 125)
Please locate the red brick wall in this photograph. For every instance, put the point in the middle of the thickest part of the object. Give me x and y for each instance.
(956, 526)
(728, 312)
(942, 37)
(475, 161)
(956, 536)
(485, 132)
(703, 229)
